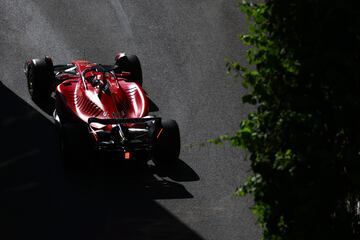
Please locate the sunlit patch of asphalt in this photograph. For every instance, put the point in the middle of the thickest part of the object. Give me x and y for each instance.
(36, 32)
(122, 17)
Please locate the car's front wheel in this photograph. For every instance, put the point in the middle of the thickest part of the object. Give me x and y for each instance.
(131, 63)
(40, 79)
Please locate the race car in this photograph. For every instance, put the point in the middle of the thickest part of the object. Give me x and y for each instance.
(101, 109)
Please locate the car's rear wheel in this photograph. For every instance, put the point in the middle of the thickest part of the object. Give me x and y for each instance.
(167, 147)
(74, 146)
(131, 63)
(40, 79)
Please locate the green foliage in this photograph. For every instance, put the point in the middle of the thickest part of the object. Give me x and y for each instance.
(304, 139)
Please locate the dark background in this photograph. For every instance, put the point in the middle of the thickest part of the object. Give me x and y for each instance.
(182, 46)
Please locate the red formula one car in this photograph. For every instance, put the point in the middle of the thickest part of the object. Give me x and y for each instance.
(104, 107)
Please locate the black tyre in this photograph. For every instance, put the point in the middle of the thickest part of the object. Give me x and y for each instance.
(131, 63)
(74, 146)
(40, 79)
(167, 148)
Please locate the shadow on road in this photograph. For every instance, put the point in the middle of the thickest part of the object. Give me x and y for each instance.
(38, 201)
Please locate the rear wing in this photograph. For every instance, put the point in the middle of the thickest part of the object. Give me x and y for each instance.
(123, 120)
(137, 134)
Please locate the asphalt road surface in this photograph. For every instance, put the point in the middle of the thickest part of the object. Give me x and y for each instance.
(182, 46)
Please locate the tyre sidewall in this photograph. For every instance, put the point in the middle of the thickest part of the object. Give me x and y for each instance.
(131, 63)
(40, 80)
(167, 147)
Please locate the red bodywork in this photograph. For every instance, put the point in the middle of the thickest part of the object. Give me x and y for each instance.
(126, 99)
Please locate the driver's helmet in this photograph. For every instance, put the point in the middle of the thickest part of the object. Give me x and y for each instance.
(97, 79)
(94, 78)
